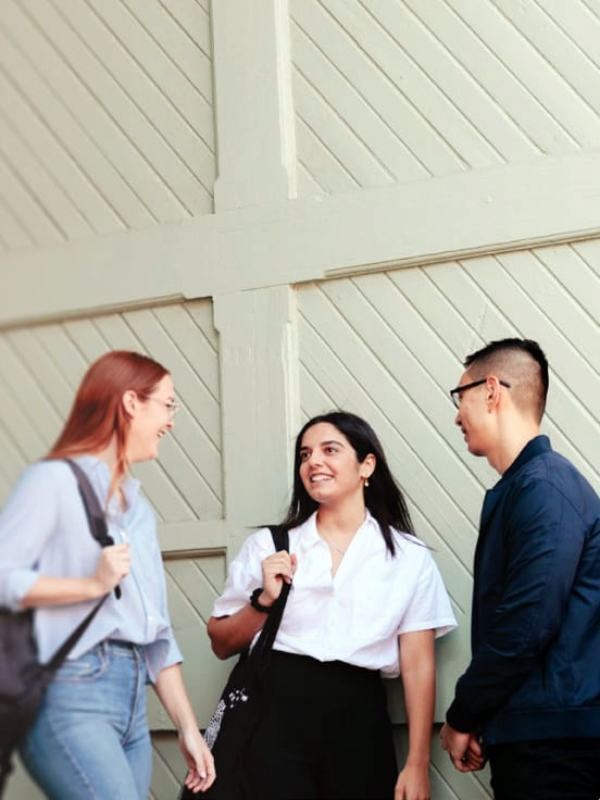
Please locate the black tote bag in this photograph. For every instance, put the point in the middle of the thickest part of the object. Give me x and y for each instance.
(240, 706)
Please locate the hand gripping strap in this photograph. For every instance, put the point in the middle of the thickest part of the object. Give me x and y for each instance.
(265, 641)
(99, 531)
(93, 510)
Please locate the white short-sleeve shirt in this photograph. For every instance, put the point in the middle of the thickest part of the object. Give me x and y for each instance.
(356, 616)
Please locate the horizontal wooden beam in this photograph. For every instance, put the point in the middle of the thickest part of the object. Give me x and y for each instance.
(203, 537)
(543, 201)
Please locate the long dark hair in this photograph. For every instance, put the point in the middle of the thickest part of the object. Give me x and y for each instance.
(383, 496)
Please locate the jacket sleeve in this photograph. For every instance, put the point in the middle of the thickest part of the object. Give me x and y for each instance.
(543, 537)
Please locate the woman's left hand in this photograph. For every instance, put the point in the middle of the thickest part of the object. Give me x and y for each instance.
(201, 766)
(413, 783)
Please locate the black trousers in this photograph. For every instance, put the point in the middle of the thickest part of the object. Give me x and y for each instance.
(552, 769)
(325, 733)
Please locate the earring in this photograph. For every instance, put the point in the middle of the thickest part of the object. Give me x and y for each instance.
(366, 482)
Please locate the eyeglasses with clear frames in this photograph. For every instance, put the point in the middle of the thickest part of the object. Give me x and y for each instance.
(171, 405)
(455, 394)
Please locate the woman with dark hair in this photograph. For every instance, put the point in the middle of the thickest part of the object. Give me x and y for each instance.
(90, 738)
(367, 601)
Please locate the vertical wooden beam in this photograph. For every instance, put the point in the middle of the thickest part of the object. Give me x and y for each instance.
(260, 404)
(256, 151)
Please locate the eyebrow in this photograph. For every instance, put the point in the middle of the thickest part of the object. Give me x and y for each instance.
(323, 444)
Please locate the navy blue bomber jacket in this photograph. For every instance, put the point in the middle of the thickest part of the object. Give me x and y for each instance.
(535, 633)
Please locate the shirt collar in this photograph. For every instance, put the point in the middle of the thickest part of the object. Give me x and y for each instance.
(310, 535)
(100, 475)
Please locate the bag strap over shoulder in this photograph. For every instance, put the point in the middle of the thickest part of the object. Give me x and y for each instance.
(281, 537)
(265, 641)
(93, 510)
(99, 531)
(95, 514)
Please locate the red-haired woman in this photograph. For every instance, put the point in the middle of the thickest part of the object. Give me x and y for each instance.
(91, 739)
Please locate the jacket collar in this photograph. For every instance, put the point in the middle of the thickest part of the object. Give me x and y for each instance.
(535, 447)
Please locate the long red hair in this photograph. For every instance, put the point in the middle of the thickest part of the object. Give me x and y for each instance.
(98, 413)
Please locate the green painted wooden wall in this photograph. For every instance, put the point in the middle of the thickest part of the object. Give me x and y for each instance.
(297, 205)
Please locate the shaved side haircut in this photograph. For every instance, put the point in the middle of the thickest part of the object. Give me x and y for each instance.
(520, 362)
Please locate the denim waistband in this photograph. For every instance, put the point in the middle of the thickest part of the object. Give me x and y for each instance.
(123, 647)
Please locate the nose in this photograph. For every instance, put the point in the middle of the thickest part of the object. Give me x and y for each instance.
(313, 458)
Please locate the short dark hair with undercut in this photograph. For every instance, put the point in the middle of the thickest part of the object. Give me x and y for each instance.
(506, 356)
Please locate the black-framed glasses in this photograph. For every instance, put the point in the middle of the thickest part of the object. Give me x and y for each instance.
(455, 394)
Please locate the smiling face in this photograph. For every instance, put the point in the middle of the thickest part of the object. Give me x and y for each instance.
(329, 468)
(151, 417)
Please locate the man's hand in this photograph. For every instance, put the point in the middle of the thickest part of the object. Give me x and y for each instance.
(464, 749)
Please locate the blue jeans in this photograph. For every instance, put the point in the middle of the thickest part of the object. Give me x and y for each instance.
(90, 740)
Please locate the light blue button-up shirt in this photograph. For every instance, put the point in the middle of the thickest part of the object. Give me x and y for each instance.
(44, 531)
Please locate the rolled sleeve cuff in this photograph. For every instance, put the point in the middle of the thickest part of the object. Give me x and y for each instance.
(161, 654)
(441, 626)
(17, 586)
(225, 608)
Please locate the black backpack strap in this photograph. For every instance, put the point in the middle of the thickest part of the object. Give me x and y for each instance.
(99, 531)
(70, 642)
(93, 510)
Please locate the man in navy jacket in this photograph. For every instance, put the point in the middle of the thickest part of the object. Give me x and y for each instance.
(530, 698)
